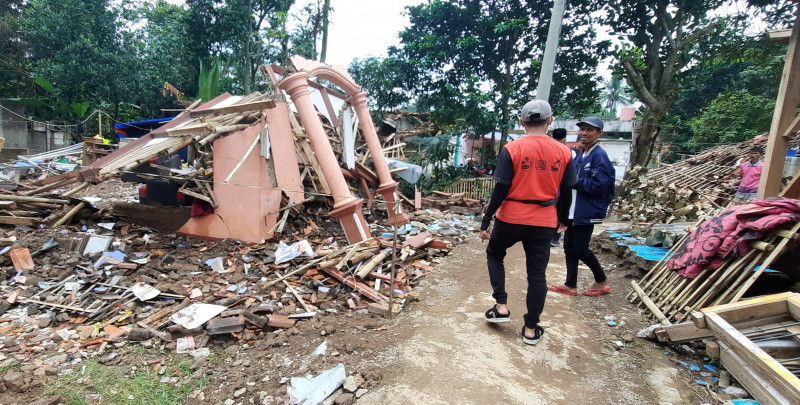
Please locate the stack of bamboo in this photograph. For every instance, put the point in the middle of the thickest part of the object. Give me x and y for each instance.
(671, 297)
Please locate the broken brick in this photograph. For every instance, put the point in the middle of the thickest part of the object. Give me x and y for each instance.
(21, 257)
(113, 331)
(280, 321)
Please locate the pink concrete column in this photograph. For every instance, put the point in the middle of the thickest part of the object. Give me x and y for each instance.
(388, 187)
(346, 208)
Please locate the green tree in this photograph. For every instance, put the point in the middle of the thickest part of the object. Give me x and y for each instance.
(733, 116)
(384, 80)
(659, 39)
(615, 93)
(14, 69)
(664, 42)
(78, 47)
(477, 60)
(750, 67)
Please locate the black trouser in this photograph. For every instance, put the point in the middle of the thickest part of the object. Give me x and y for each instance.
(576, 248)
(536, 242)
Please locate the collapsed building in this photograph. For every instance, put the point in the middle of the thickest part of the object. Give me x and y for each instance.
(249, 156)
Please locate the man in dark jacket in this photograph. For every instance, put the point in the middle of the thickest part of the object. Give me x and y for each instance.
(530, 172)
(590, 198)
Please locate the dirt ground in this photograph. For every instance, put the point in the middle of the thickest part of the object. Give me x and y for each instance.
(449, 355)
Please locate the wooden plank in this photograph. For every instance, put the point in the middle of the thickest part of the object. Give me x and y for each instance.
(792, 190)
(681, 332)
(19, 220)
(785, 112)
(236, 108)
(756, 385)
(55, 179)
(793, 306)
(755, 308)
(791, 131)
(210, 192)
(776, 375)
(782, 36)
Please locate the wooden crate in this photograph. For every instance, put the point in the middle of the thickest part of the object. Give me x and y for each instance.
(474, 188)
(760, 373)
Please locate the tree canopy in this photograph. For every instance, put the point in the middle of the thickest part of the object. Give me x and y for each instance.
(477, 60)
(694, 65)
(665, 42)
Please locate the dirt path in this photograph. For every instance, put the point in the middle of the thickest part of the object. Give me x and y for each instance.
(449, 355)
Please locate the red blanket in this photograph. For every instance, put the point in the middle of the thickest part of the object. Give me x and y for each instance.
(730, 233)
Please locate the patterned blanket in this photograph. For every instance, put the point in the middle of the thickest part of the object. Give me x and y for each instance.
(731, 231)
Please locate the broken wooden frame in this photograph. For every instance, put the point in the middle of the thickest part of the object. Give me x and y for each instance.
(670, 297)
(764, 376)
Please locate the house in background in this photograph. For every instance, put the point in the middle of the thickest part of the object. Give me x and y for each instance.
(617, 140)
(25, 137)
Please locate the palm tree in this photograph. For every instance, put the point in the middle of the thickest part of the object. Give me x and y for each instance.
(616, 93)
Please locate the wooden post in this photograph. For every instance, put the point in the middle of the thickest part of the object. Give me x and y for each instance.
(70, 214)
(367, 268)
(650, 305)
(785, 112)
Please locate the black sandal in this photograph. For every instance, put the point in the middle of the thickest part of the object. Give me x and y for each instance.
(495, 317)
(538, 332)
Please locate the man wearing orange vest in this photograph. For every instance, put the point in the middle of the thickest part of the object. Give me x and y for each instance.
(530, 172)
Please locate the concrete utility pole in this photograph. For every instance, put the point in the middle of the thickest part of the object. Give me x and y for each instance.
(550, 51)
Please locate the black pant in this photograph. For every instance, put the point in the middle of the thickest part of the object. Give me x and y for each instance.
(536, 242)
(576, 248)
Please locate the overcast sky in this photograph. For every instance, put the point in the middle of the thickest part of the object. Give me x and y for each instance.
(361, 28)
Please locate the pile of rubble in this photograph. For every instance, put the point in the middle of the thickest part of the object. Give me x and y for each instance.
(455, 202)
(683, 191)
(82, 289)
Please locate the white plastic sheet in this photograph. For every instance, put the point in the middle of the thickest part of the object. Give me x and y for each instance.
(315, 390)
(196, 315)
(284, 253)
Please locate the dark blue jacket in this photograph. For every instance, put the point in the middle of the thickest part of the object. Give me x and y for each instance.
(595, 186)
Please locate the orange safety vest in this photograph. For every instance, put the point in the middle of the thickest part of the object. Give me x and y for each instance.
(539, 163)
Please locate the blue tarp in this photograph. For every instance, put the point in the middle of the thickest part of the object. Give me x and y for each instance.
(136, 129)
(649, 252)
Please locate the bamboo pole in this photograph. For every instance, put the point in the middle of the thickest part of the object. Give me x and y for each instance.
(70, 214)
(739, 266)
(661, 266)
(367, 268)
(772, 257)
(9, 197)
(49, 187)
(649, 304)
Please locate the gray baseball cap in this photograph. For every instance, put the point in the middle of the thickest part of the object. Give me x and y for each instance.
(592, 121)
(536, 110)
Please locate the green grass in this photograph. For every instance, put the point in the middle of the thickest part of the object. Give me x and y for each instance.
(8, 366)
(116, 384)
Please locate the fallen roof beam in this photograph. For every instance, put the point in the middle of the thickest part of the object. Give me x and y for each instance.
(236, 108)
